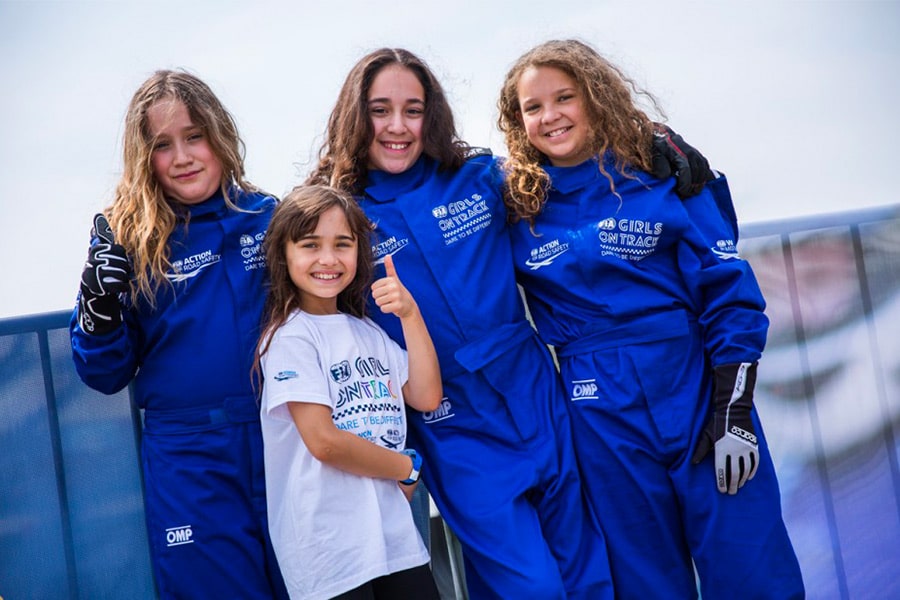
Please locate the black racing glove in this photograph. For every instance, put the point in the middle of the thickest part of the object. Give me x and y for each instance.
(106, 275)
(730, 430)
(673, 156)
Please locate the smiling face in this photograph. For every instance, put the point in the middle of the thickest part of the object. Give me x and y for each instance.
(396, 108)
(182, 160)
(553, 115)
(322, 263)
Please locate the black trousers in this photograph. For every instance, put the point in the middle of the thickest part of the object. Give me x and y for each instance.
(413, 584)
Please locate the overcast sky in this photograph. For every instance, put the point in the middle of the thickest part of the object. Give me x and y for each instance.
(797, 102)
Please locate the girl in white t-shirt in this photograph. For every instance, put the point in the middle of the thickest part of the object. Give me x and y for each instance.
(335, 386)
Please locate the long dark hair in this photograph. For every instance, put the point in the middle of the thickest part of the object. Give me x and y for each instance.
(343, 156)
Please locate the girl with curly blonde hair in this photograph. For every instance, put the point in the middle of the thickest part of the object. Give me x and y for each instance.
(658, 326)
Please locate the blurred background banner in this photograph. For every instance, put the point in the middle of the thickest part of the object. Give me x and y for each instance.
(71, 509)
(828, 392)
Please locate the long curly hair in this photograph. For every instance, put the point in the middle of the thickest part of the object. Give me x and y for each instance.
(298, 215)
(617, 124)
(343, 157)
(140, 216)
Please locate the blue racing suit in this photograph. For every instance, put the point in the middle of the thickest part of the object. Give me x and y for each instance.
(498, 451)
(641, 294)
(190, 359)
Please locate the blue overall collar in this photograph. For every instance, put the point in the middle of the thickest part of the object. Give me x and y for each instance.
(383, 186)
(213, 206)
(571, 179)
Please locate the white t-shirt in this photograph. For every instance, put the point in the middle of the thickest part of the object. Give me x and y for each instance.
(333, 531)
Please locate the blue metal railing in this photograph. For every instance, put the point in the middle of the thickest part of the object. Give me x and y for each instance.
(70, 488)
(828, 391)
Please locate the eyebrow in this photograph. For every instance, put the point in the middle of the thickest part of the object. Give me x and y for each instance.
(189, 129)
(407, 101)
(553, 93)
(312, 236)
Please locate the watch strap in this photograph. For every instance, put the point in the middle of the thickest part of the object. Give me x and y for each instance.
(416, 466)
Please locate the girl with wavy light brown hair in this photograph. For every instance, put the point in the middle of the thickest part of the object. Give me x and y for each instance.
(142, 214)
(171, 298)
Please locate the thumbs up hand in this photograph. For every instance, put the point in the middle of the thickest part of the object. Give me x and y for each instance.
(106, 271)
(391, 295)
(423, 390)
(106, 274)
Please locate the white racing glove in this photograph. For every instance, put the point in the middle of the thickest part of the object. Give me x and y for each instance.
(730, 429)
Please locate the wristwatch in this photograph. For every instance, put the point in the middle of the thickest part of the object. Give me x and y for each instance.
(416, 466)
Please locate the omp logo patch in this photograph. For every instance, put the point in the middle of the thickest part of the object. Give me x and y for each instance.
(178, 536)
(584, 389)
(282, 375)
(443, 411)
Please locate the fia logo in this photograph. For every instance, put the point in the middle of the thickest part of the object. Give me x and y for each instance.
(439, 212)
(607, 224)
(340, 372)
(178, 536)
